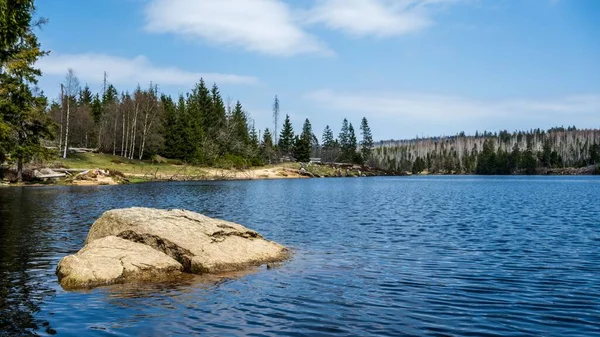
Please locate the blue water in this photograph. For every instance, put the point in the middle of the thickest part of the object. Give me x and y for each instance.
(401, 256)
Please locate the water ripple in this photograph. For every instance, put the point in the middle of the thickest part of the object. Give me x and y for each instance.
(419, 256)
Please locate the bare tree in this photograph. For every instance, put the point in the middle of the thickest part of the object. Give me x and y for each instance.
(71, 90)
(62, 101)
(150, 113)
(275, 118)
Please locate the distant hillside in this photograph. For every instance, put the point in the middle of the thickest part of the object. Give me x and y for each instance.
(492, 153)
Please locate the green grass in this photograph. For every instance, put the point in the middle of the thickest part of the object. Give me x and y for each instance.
(138, 167)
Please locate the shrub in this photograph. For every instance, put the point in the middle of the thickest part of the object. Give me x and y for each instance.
(115, 173)
(230, 161)
(157, 159)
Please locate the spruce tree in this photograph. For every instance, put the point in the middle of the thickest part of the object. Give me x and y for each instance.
(352, 145)
(327, 139)
(266, 147)
(344, 138)
(302, 144)
(85, 96)
(197, 105)
(23, 119)
(286, 138)
(239, 124)
(254, 142)
(216, 116)
(171, 133)
(328, 145)
(366, 145)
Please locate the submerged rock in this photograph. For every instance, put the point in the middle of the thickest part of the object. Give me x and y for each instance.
(141, 244)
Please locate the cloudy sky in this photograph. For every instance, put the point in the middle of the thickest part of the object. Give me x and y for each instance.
(412, 67)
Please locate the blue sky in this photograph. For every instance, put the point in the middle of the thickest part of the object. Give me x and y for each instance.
(412, 67)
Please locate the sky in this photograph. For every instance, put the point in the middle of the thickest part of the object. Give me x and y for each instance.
(411, 67)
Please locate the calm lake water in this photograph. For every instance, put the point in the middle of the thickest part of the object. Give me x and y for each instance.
(404, 256)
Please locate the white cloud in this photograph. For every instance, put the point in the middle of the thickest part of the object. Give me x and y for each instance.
(130, 71)
(411, 113)
(264, 26)
(380, 18)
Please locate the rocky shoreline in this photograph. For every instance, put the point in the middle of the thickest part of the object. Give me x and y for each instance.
(87, 177)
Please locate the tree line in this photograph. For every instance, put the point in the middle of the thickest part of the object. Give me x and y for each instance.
(199, 128)
(493, 153)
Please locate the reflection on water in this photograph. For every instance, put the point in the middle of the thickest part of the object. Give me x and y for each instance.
(433, 256)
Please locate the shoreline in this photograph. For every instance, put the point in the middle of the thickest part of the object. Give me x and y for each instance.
(276, 172)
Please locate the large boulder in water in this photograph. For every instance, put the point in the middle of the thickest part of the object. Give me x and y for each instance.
(113, 260)
(197, 243)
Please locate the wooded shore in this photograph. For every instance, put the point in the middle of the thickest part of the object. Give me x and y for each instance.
(77, 171)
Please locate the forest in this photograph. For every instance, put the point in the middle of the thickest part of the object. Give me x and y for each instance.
(199, 128)
(492, 153)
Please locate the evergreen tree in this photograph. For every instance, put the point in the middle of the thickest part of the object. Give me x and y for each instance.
(240, 136)
(486, 161)
(366, 145)
(171, 131)
(348, 143)
(197, 105)
(352, 144)
(514, 160)
(546, 154)
(22, 113)
(302, 144)
(529, 162)
(85, 96)
(327, 139)
(286, 138)
(96, 109)
(254, 142)
(344, 139)
(267, 151)
(216, 116)
(328, 152)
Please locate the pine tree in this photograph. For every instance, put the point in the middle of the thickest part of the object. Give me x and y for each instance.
(23, 119)
(286, 138)
(366, 145)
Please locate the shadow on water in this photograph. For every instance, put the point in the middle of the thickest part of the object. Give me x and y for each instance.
(26, 253)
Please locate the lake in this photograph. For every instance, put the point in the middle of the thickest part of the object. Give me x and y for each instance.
(385, 256)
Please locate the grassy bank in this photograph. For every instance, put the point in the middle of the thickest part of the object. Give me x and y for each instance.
(139, 171)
